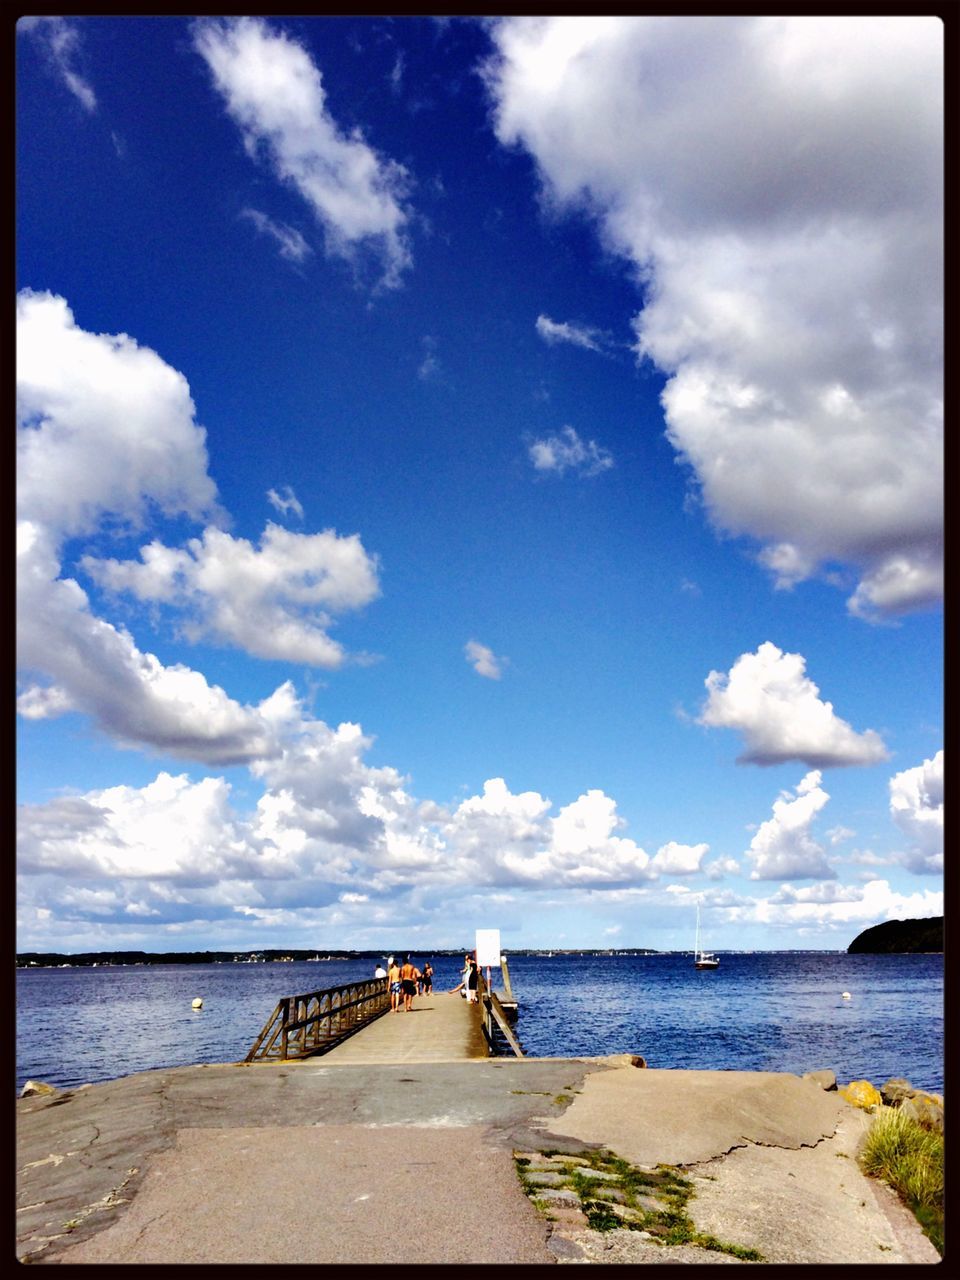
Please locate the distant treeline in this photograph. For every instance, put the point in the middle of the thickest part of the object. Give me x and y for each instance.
(53, 959)
(47, 958)
(900, 937)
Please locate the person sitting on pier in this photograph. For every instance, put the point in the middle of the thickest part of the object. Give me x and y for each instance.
(409, 973)
(393, 976)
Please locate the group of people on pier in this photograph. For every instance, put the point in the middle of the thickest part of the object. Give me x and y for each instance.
(405, 980)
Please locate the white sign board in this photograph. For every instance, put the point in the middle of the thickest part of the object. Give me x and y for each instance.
(488, 948)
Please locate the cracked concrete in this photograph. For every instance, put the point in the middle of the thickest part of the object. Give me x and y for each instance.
(151, 1167)
(772, 1158)
(686, 1117)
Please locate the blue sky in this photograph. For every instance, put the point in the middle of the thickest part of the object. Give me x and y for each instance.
(478, 475)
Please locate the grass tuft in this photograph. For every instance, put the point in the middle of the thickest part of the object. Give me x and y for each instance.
(667, 1223)
(600, 1216)
(909, 1157)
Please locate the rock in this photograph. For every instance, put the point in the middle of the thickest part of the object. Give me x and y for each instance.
(608, 1194)
(550, 1196)
(650, 1204)
(626, 1214)
(861, 1093)
(895, 1090)
(34, 1087)
(825, 1079)
(544, 1178)
(563, 1248)
(927, 1108)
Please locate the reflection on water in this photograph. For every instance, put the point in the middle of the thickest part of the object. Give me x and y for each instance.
(757, 1012)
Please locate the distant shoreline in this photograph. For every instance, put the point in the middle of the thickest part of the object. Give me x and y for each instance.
(86, 959)
(123, 959)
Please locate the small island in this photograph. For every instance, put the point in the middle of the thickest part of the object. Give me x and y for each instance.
(900, 937)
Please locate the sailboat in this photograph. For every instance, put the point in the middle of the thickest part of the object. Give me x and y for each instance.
(703, 959)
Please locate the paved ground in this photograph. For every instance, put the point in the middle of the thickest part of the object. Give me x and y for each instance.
(366, 1162)
(323, 1195)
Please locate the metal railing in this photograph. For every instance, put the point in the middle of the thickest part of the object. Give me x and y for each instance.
(303, 1025)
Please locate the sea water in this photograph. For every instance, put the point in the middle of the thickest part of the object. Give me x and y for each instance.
(763, 1011)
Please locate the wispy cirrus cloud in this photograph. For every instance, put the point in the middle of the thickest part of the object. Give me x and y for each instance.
(285, 502)
(274, 93)
(577, 335)
(290, 241)
(430, 368)
(62, 43)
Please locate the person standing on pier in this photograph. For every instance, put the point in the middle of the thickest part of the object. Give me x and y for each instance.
(426, 979)
(468, 980)
(393, 976)
(409, 973)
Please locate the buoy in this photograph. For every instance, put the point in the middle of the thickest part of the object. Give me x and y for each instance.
(198, 1003)
(846, 995)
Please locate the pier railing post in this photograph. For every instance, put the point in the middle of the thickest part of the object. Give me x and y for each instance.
(507, 989)
(284, 1034)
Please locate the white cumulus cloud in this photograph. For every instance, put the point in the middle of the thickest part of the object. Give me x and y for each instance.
(483, 660)
(777, 182)
(674, 859)
(106, 434)
(844, 910)
(275, 601)
(95, 667)
(783, 847)
(274, 93)
(104, 425)
(567, 452)
(329, 831)
(916, 806)
(777, 708)
(171, 828)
